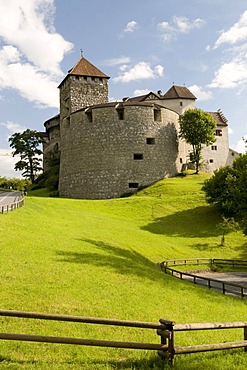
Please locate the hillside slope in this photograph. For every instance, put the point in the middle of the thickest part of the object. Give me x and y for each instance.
(100, 259)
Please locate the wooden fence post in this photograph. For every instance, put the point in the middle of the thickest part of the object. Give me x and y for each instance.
(165, 334)
(245, 337)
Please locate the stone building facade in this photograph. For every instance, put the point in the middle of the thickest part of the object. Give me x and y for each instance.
(109, 149)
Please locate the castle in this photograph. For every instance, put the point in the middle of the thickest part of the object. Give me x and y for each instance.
(109, 149)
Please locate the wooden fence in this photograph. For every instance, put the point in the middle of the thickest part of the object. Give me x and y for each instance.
(224, 286)
(12, 206)
(165, 329)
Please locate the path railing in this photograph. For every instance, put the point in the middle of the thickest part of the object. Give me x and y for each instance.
(224, 286)
(13, 205)
(165, 329)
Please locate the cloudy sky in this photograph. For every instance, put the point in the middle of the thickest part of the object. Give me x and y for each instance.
(143, 46)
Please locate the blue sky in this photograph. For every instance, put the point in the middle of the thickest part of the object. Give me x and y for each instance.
(143, 46)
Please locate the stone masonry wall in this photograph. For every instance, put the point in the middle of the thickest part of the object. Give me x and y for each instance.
(109, 157)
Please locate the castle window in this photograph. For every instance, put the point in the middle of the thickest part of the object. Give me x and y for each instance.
(218, 132)
(214, 147)
(89, 115)
(181, 104)
(93, 78)
(138, 156)
(120, 113)
(181, 160)
(157, 115)
(150, 140)
(133, 185)
(211, 161)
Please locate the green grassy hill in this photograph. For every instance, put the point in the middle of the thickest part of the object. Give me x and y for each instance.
(100, 258)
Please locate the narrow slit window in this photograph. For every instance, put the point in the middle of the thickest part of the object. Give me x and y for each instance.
(120, 113)
(138, 156)
(157, 115)
(89, 116)
(150, 140)
(133, 185)
(214, 147)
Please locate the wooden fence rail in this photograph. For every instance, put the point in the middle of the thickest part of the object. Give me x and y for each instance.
(224, 286)
(12, 206)
(165, 329)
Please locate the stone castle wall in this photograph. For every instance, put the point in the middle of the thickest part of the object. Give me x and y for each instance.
(117, 153)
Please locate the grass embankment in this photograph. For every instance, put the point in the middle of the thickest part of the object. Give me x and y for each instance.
(99, 258)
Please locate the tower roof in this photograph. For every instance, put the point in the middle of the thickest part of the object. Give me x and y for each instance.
(179, 92)
(84, 68)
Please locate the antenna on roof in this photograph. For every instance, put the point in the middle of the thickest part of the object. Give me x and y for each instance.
(81, 52)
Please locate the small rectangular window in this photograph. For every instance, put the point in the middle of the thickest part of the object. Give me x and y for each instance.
(218, 133)
(211, 161)
(138, 156)
(181, 160)
(181, 104)
(157, 115)
(133, 185)
(214, 147)
(150, 140)
(120, 113)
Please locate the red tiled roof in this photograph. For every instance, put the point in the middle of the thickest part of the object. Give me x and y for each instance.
(84, 68)
(178, 92)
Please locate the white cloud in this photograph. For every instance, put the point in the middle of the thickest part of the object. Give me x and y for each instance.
(12, 127)
(178, 25)
(131, 27)
(241, 146)
(200, 93)
(31, 83)
(231, 75)
(140, 71)
(30, 59)
(237, 33)
(116, 61)
(28, 25)
(7, 164)
(139, 92)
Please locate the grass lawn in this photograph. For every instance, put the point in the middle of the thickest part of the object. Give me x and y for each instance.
(100, 259)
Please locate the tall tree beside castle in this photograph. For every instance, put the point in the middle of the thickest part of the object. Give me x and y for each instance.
(27, 146)
(197, 128)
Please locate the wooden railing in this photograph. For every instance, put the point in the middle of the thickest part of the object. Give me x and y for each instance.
(12, 206)
(165, 329)
(224, 286)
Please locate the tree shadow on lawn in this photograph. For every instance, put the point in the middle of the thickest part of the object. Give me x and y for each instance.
(123, 261)
(196, 222)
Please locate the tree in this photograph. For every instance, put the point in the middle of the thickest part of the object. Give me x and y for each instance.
(197, 129)
(226, 226)
(227, 188)
(26, 145)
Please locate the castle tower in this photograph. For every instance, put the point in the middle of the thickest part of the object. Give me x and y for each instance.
(179, 99)
(83, 86)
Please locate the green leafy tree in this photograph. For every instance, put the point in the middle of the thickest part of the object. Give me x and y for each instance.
(227, 188)
(197, 128)
(27, 146)
(226, 226)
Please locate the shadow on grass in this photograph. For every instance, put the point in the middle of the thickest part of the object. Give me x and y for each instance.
(123, 261)
(195, 222)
